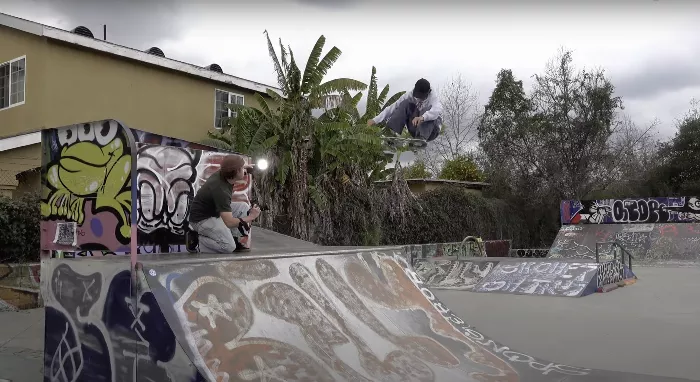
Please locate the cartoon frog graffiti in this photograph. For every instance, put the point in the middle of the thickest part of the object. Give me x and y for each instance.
(92, 165)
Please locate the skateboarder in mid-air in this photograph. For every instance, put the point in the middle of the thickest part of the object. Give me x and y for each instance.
(419, 110)
(211, 214)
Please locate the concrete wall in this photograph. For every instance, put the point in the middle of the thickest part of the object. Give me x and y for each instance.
(19, 287)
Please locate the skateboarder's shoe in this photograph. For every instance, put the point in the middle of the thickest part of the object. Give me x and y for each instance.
(191, 240)
(240, 247)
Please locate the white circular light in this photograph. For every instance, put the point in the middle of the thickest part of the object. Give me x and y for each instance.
(262, 164)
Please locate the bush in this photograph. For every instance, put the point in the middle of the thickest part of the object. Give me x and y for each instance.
(417, 171)
(450, 214)
(461, 168)
(20, 237)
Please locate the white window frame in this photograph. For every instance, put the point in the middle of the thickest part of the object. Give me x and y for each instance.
(24, 83)
(231, 96)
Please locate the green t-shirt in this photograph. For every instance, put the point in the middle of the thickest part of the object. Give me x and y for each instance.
(213, 198)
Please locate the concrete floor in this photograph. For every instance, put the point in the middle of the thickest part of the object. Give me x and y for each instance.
(652, 327)
(22, 345)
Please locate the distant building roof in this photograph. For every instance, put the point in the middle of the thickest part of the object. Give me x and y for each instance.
(471, 185)
(81, 36)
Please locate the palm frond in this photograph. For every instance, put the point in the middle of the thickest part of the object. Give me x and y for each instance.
(372, 91)
(382, 97)
(338, 85)
(294, 77)
(325, 64)
(311, 65)
(217, 143)
(283, 57)
(393, 99)
(281, 79)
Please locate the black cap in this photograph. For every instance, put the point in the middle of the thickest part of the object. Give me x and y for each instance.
(422, 89)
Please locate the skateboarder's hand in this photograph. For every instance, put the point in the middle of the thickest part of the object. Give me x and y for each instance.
(417, 121)
(370, 122)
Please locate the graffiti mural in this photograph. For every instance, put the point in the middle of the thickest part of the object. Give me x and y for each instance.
(288, 318)
(86, 186)
(87, 189)
(682, 209)
(97, 331)
(610, 272)
(648, 243)
(168, 179)
(529, 253)
(546, 278)
(453, 274)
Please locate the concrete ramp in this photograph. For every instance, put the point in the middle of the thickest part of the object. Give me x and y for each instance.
(446, 273)
(658, 243)
(359, 315)
(543, 277)
(265, 240)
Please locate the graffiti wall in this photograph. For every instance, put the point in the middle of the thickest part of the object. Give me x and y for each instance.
(360, 316)
(545, 278)
(610, 272)
(89, 188)
(648, 243)
(167, 180)
(97, 331)
(453, 274)
(682, 209)
(19, 287)
(86, 195)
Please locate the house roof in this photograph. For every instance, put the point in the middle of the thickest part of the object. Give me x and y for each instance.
(129, 53)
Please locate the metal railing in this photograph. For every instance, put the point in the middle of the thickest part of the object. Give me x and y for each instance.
(472, 244)
(616, 248)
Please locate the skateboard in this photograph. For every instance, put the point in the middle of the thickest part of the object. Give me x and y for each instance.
(393, 144)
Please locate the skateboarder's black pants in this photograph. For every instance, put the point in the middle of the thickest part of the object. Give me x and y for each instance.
(403, 116)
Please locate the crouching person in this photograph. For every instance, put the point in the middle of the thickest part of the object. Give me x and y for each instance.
(211, 215)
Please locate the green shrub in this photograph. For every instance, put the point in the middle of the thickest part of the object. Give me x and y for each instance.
(20, 233)
(417, 171)
(461, 168)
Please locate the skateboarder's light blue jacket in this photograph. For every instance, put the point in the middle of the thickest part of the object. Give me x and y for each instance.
(431, 108)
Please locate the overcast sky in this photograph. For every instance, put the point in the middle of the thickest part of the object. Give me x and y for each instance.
(650, 49)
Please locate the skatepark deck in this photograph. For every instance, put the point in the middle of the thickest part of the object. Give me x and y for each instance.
(359, 314)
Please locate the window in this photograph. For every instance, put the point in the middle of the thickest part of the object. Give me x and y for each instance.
(12, 78)
(222, 112)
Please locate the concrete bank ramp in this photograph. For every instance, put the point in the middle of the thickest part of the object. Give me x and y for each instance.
(453, 273)
(650, 244)
(358, 315)
(535, 276)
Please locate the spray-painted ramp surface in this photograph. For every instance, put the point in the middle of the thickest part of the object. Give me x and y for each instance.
(660, 243)
(359, 315)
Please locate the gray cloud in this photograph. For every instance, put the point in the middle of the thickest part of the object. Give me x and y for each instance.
(659, 76)
(132, 23)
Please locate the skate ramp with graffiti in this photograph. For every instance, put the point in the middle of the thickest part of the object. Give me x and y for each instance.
(550, 277)
(671, 243)
(451, 273)
(542, 277)
(655, 231)
(359, 315)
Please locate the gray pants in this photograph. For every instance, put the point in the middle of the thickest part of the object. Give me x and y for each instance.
(403, 116)
(215, 236)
